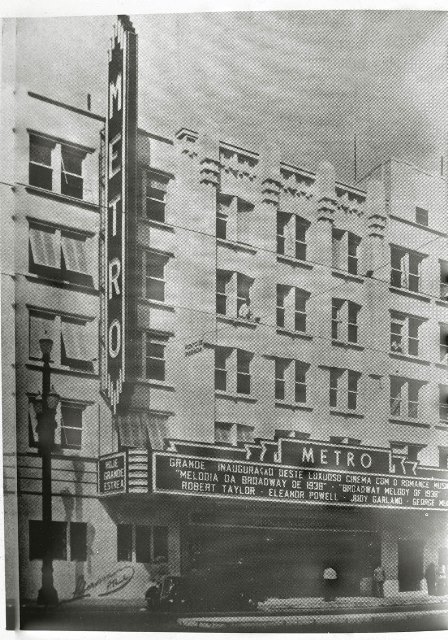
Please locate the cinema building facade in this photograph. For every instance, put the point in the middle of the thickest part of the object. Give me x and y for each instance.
(256, 374)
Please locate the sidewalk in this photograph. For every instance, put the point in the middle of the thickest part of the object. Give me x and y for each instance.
(276, 606)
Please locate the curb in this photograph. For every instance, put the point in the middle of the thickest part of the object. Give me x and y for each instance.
(301, 620)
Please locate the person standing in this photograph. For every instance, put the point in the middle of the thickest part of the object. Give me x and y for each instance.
(379, 577)
(430, 577)
(330, 577)
(441, 580)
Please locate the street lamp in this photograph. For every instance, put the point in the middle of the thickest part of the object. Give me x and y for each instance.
(45, 406)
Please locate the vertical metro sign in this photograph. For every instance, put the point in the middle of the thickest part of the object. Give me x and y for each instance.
(121, 129)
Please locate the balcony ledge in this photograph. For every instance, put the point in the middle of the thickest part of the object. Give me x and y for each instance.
(236, 397)
(295, 262)
(410, 422)
(293, 405)
(236, 245)
(410, 294)
(294, 334)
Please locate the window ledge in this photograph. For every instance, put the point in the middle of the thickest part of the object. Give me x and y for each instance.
(236, 321)
(236, 397)
(155, 383)
(54, 195)
(345, 275)
(57, 368)
(440, 365)
(410, 422)
(294, 334)
(156, 303)
(441, 427)
(62, 284)
(442, 303)
(412, 223)
(293, 405)
(410, 294)
(347, 345)
(236, 245)
(346, 412)
(295, 262)
(155, 223)
(408, 358)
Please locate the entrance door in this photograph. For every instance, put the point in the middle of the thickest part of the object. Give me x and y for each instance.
(410, 564)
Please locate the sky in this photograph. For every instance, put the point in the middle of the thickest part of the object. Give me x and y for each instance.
(305, 80)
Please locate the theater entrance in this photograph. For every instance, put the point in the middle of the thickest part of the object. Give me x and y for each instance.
(283, 563)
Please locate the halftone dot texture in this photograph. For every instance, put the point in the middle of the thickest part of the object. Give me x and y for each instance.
(343, 338)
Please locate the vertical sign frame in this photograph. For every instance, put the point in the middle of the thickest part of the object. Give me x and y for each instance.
(120, 204)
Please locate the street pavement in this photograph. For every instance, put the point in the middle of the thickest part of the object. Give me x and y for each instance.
(400, 613)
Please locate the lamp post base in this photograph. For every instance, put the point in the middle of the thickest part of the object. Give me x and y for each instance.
(48, 597)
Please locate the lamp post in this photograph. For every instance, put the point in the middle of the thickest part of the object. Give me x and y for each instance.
(45, 407)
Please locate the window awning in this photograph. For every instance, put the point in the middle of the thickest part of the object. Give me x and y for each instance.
(78, 341)
(142, 430)
(44, 247)
(74, 250)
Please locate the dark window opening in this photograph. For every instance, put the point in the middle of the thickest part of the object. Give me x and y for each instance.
(124, 542)
(160, 542)
(142, 544)
(78, 541)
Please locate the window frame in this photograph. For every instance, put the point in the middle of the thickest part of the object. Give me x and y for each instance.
(149, 278)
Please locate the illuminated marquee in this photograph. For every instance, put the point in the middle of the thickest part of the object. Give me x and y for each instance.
(121, 124)
(300, 472)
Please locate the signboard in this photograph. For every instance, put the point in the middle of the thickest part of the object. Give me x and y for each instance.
(194, 347)
(121, 125)
(321, 474)
(112, 474)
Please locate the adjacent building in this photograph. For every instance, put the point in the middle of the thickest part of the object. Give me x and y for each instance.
(251, 356)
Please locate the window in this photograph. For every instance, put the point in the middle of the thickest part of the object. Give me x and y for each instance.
(40, 167)
(243, 291)
(282, 222)
(443, 342)
(344, 389)
(292, 235)
(142, 543)
(76, 344)
(421, 216)
(223, 433)
(61, 254)
(124, 542)
(221, 355)
(232, 291)
(154, 196)
(281, 366)
(155, 268)
(233, 434)
(71, 425)
(223, 213)
(345, 251)
(222, 287)
(301, 231)
(78, 541)
(444, 279)
(244, 433)
(300, 381)
(155, 358)
(160, 543)
(52, 533)
(243, 361)
(71, 171)
(443, 402)
(405, 269)
(404, 334)
(56, 166)
(292, 308)
(74, 339)
(344, 320)
(404, 397)
(290, 380)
